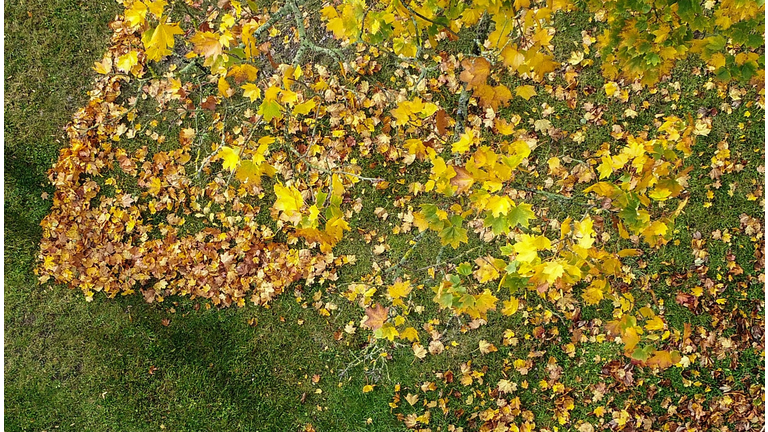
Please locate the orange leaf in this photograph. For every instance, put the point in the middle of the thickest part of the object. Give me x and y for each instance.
(475, 72)
(664, 359)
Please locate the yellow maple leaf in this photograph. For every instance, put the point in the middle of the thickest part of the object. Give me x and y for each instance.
(630, 339)
(410, 333)
(492, 96)
(660, 194)
(402, 113)
(289, 97)
(488, 269)
(158, 41)
(526, 249)
(387, 331)
(499, 205)
(289, 200)
(510, 306)
(503, 127)
(654, 323)
(136, 14)
(553, 270)
(417, 106)
(224, 88)
(248, 172)
(251, 91)
(512, 58)
(206, 44)
(594, 293)
(154, 186)
(104, 66)
(605, 169)
(476, 71)
(585, 232)
(542, 64)
(128, 60)
(657, 228)
(230, 157)
(157, 7)
(526, 91)
(335, 23)
(336, 226)
(519, 151)
(415, 147)
(399, 290)
(611, 88)
(304, 108)
(543, 36)
(464, 142)
(243, 72)
(483, 303)
(405, 47)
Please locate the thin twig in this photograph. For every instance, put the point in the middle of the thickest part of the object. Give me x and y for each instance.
(554, 196)
(461, 113)
(407, 255)
(304, 41)
(457, 257)
(429, 20)
(330, 171)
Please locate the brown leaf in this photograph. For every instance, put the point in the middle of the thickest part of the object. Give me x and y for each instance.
(209, 104)
(448, 377)
(441, 121)
(376, 316)
(687, 300)
(149, 295)
(462, 180)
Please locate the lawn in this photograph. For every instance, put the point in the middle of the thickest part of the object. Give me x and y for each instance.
(304, 361)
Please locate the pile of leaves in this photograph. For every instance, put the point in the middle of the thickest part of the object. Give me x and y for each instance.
(229, 152)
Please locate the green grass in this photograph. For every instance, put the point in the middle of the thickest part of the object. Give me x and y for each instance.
(114, 365)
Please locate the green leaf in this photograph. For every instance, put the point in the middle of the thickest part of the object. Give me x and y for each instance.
(511, 267)
(635, 218)
(755, 40)
(270, 109)
(466, 301)
(464, 269)
(715, 43)
(507, 249)
(498, 224)
(520, 215)
(723, 74)
(653, 59)
(684, 9)
(445, 300)
(642, 354)
(430, 214)
(454, 234)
